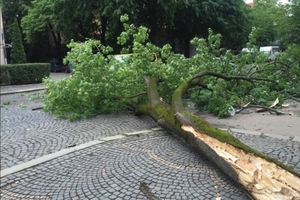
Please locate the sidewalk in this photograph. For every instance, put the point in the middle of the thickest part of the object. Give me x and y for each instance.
(13, 89)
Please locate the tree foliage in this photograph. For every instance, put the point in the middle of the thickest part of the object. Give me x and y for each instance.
(276, 23)
(291, 32)
(268, 17)
(40, 22)
(17, 52)
(167, 20)
(79, 20)
(40, 15)
(101, 83)
(11, 10)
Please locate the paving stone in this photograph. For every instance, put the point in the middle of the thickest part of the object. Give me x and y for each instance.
(105, 169)
(282, 150)
(32, 133)
(115, 168)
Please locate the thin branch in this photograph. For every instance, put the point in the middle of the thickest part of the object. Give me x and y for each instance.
(264, 69)
(131, 96)
(145, 189)
(218, 75)
(259, 106)
(276, 62)
(263, 79)
(152, 91)
(116, 98)
(108, 80)
(295, 99)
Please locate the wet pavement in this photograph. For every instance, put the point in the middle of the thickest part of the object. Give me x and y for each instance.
(114, 166)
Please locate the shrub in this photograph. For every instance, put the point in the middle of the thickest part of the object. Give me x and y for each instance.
(15, 74)
(17, 52)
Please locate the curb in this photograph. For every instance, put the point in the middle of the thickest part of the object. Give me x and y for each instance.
(22, 91)
(63, 152)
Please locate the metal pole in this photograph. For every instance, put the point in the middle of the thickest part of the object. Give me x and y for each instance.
(1, 42)
(3, 60)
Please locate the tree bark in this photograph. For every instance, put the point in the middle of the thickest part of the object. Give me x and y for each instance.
(57, 41)
(152, 4)
(262, 177)
(103, 29)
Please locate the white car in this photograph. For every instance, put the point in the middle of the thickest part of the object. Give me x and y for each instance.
(271, 51)
(120, 58)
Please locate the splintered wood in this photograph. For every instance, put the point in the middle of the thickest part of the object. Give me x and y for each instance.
(263, 179)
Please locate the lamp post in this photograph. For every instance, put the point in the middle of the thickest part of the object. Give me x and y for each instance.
(3, 46)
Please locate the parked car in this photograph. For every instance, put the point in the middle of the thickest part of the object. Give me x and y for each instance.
(271, 51)
(249, 51)
(66, 69)
(57, 67)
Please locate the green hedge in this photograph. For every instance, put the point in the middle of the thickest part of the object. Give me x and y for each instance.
(16, 74)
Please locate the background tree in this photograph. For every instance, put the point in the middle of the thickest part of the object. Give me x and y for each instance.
(269, 19)
(40, 22)
(91, 19)
(49, 24)
(12, 9)
(168, 21)
(177, 22)
(75, 20)
(17, 51)
(276, 23)
(290, 31)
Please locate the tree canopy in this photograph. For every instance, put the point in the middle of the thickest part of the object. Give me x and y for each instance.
(17, 52)
(168, 21)
(267, 17)
(276, 23)
(291, 33)
(48, 25)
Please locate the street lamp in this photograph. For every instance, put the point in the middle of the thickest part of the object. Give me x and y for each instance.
(3, 57)
(3, 46)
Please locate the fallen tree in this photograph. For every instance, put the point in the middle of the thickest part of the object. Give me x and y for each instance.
(262, 176)
(153, 81)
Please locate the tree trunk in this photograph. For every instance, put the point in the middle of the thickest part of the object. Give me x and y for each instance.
(57, 41)
(103, 29)
(152, 4)
(263, 177)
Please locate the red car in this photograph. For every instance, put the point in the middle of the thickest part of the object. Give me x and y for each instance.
(66, 68)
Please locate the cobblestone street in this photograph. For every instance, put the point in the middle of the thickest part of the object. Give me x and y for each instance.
(111, 169)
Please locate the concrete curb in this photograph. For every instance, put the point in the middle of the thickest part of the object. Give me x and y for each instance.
(63, 152)
(297, 139)
(22, 91)
(46, 158)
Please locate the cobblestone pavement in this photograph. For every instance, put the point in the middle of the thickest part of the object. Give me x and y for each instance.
(286, 151)
(27, 134)
(114, 169)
